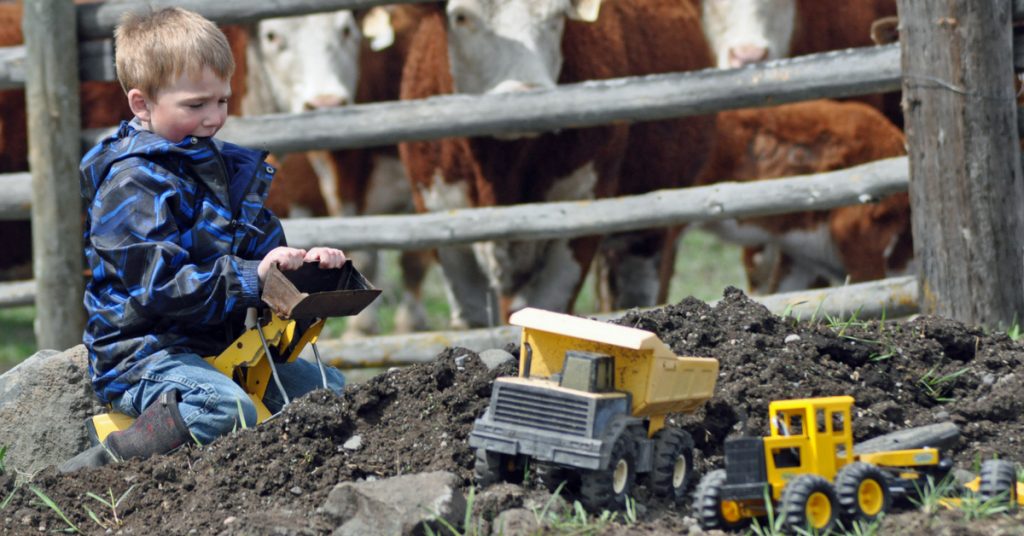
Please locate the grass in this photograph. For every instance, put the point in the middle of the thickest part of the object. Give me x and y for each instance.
(19, 341)
(937, 387)
(114, 521)
(933, 495)
(56, 509)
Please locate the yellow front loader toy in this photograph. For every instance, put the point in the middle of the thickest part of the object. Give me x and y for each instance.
(811, 473)
(297, 304)
(589, 407)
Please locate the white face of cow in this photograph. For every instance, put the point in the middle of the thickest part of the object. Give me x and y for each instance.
(501, 46)
(748, 31)
(311, 61)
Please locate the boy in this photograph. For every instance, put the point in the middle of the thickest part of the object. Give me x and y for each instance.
(179, 244)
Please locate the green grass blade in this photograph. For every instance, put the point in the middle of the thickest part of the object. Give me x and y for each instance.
(53, 506)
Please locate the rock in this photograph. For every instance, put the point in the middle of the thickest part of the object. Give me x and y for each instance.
(516, 522)
(397, 505)
(44, 401)
(494, 357)
(496, 499)
(354, 443)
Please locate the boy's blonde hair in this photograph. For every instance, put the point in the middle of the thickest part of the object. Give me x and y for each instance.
(153, 49)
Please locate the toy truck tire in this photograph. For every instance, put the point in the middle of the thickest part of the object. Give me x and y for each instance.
(554, 476)
(711, 513)
(672, 464)
(808, 501)
(608, 488)
(998, 480)
(863, 492)
(494, 467)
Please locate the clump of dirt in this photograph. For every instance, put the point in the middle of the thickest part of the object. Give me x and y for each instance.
(417, 419)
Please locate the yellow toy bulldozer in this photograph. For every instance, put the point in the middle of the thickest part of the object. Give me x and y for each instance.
(809, 470)
(297, 304)
(589, 407)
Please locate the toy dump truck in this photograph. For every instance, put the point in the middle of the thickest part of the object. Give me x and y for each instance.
(589, 407)
(810, 471)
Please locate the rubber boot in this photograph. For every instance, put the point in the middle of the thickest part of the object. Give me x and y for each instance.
(158, 430)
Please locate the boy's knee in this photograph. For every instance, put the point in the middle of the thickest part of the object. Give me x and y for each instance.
(220, 415)
(335, 379)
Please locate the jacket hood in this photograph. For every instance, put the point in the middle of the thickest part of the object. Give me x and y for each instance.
(131, 141)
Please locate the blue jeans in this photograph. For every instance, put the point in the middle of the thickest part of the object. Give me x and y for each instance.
(210, 401)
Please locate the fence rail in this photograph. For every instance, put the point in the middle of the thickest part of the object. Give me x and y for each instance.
(97, 21)
(831, 74)
(861, 184)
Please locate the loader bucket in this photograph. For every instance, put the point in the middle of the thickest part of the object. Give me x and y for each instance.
(310, 292)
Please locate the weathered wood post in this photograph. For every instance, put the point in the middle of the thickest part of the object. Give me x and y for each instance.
(966, 186)
(51, 94)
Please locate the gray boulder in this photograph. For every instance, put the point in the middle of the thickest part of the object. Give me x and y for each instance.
(44, 402)
(397, 505)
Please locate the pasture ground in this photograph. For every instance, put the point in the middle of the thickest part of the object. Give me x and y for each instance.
(272, 478)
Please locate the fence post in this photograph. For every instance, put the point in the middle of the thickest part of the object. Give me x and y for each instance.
(54, 125)
(966, 186)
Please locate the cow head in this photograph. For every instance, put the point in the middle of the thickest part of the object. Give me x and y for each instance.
(311, 61)
(501, 46)
(747, 31)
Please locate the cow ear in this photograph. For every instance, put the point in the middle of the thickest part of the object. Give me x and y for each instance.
(584, 10)
(377, 28)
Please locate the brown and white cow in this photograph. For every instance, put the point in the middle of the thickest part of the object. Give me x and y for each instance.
(503, 46)
(350, 182)
(747, 31)
(812, 249)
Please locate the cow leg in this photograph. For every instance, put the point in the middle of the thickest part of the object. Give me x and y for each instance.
(546, 275)
(389, 192)
(634, 264)
(366, 322)
(411, 314)
(473, 302)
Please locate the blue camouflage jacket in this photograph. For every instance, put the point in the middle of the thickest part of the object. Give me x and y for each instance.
(174, 234)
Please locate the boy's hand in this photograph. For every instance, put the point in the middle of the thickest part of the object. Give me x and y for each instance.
(284, 257)
(328, 257)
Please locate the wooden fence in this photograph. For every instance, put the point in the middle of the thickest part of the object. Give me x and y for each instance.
(833, 74)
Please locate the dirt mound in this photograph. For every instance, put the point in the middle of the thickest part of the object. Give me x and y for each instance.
(900, 374)
(417, 419)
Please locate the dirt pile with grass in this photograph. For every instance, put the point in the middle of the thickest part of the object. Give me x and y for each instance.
(416, 419)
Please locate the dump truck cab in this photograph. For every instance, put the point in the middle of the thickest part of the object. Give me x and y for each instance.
(592, 397)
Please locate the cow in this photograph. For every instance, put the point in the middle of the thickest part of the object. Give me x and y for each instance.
(812, 249)
(507, 46)
(742, 32)
(351, 182)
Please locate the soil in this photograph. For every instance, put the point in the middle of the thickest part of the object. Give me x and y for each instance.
(416, 419)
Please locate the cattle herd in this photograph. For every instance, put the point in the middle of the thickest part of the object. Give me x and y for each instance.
(414, 51)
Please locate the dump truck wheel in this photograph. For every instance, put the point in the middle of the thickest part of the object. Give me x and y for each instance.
(998, 482)
(673, 463)
(808, 501)
(554, 476)
(609, 487)
(863, 492)
(494, 467)
(711, 511)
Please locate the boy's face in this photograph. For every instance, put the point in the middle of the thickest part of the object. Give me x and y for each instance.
(186, 107)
